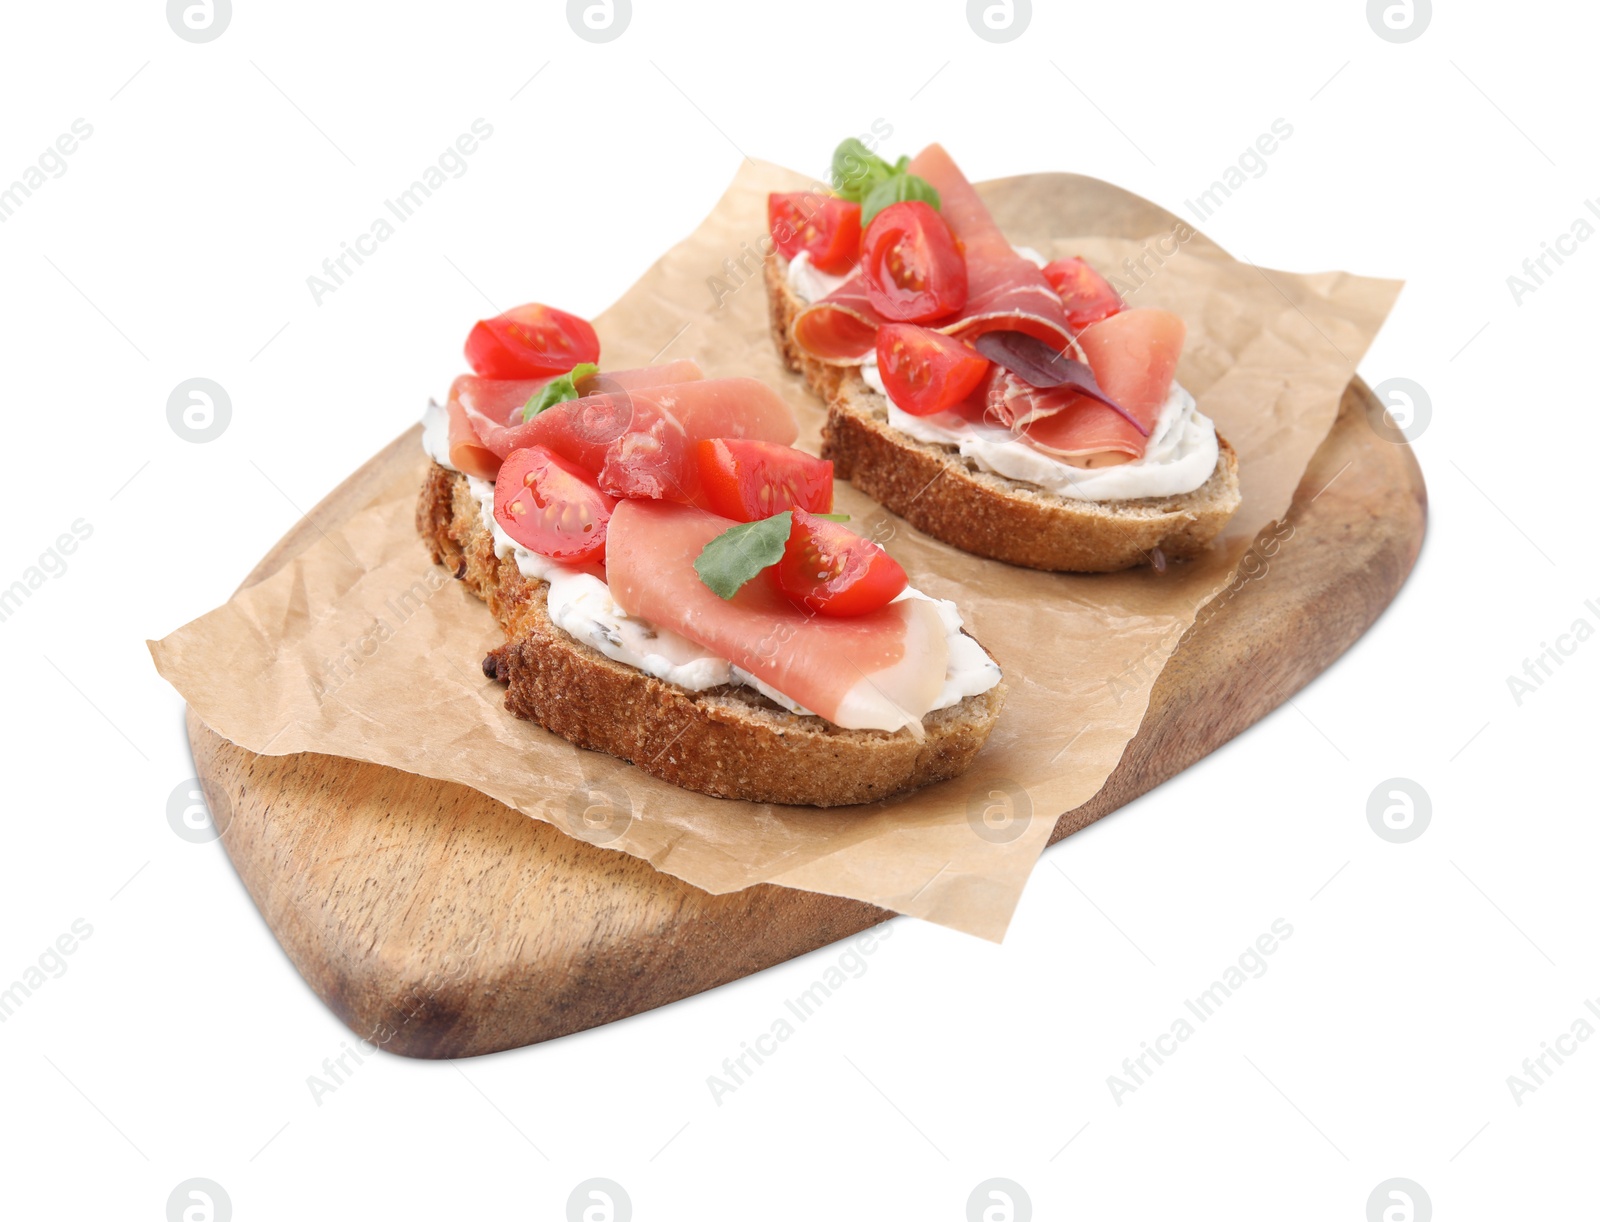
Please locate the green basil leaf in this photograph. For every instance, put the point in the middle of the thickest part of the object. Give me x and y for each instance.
(895, 190)
(558, 391)
(856, 169)
(740, 552)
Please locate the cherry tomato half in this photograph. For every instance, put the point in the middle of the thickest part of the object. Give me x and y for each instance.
(833, 571)
(828, 228)
(531, 341)
(914, 272)
(748, 480)
(924, 371)
(551, 506)
(1083, 291)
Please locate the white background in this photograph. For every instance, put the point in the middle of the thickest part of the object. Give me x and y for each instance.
(177, 244)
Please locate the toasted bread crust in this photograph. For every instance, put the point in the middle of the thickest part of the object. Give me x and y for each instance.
(946, 496)
(730, 741)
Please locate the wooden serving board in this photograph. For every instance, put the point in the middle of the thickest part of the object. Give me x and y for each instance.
(439, 923)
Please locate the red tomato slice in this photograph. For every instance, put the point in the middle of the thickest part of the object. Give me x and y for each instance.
(531, 341)
(914, 272)
(828, 228)
(551, 506)
(924, 371)
(832, 571)
(748, 480)
(1083, 291)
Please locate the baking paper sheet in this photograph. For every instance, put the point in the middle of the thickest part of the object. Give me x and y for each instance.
(358, 646)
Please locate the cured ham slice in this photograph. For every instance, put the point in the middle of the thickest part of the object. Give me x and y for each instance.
(842, 327)
(1005, 292)
(467, 453)
(669, 374)
(493, 407)
(1134, 356)
(638, 442)
(883, 670)
(1066, 424)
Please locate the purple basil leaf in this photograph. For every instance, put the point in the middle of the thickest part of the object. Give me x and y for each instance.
(1040, 365)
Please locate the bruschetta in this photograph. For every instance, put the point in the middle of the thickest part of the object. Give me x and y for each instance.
(1011, 407)
(674, 587)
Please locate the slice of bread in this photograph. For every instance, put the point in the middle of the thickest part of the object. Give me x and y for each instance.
(945, 495)
(728, 741)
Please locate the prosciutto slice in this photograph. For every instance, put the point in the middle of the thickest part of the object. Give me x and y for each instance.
(880, 671)
(842, 327)
(1134, 356)
(1005, 292)
(1064, 423)
(467, 453)
(639, 442)
(492, 409)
